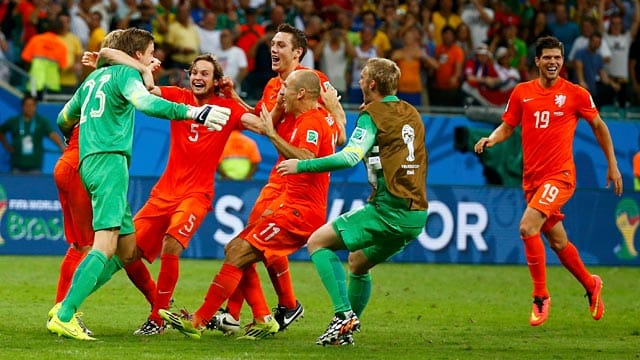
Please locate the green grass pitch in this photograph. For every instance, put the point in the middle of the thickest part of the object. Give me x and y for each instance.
(417, 311)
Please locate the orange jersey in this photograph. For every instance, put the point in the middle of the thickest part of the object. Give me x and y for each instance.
(448, 58)
(308, 191)
(549, 118)
(71, 153)
(195, 150)
(302, 205)
(284, 129)
(285, 126)
(636, 165)
(77, 213)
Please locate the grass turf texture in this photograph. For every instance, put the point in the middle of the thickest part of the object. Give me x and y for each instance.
(417, 311)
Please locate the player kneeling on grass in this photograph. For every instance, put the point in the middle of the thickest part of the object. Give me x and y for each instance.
(390, 137)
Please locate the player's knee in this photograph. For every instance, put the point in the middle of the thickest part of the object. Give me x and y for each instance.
(557, 243)
(528, 229)
(312, 246)
(358, 263)
(238, 253)
(171, 245)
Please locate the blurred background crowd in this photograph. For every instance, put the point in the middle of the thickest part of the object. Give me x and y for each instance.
(451, 52)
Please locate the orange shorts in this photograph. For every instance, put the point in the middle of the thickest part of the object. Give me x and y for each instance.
(77, 213)
(549, 198)
(179, 219)
(267, 195)
(278, 234)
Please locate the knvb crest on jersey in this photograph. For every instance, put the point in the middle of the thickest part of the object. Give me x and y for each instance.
(560, 100)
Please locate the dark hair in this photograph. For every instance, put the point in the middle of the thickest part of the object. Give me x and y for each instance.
(590, 20)
(596, 33)
(298, 38)
(548, 42)
(218, 73)
(447, 28)
(28, 97)
(369, 12)
(217, 68)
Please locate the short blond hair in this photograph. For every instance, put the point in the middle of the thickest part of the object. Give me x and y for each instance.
(385, 73)
(111, 38)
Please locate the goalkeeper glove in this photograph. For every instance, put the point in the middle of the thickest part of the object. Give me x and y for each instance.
(212, 116)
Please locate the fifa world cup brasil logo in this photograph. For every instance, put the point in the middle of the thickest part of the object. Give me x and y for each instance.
(627, 221)
(408, 136)
(3, 209)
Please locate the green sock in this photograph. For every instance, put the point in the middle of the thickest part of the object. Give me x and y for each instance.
(84, 280)
(111, 267)
(333, 278)
(359, 291)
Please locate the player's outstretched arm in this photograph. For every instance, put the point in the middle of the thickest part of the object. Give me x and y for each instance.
(361, 141)
(252, 123)
(500, 134)
(115, 56)
(288, 167)
(603, 136)
(213, 117)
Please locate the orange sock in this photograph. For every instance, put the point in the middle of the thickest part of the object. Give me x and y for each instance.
(252, 290)
(281, 279)
(140, 277)
(222, 286)
(570, 258)
(70, 262)
(234, 304)
(535, 254)
(167, 279)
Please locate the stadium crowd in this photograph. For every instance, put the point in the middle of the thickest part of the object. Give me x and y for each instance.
(466, 51)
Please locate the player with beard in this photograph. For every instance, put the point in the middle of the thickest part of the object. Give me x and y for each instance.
(287, 224)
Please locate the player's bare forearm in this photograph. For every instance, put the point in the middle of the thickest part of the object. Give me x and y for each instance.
(603, 136)
(289, 151)
(500, 134)
(252, 123)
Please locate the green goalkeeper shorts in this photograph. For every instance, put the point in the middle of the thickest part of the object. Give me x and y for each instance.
(374, 230)
(106, 178)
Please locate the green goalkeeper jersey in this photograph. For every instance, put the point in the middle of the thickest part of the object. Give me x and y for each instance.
(105, 105)
(396, 181)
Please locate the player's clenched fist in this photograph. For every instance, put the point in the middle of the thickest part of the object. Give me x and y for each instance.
(212, 116)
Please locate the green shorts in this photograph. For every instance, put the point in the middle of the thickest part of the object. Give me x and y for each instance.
(106, 178)
(376, 231)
